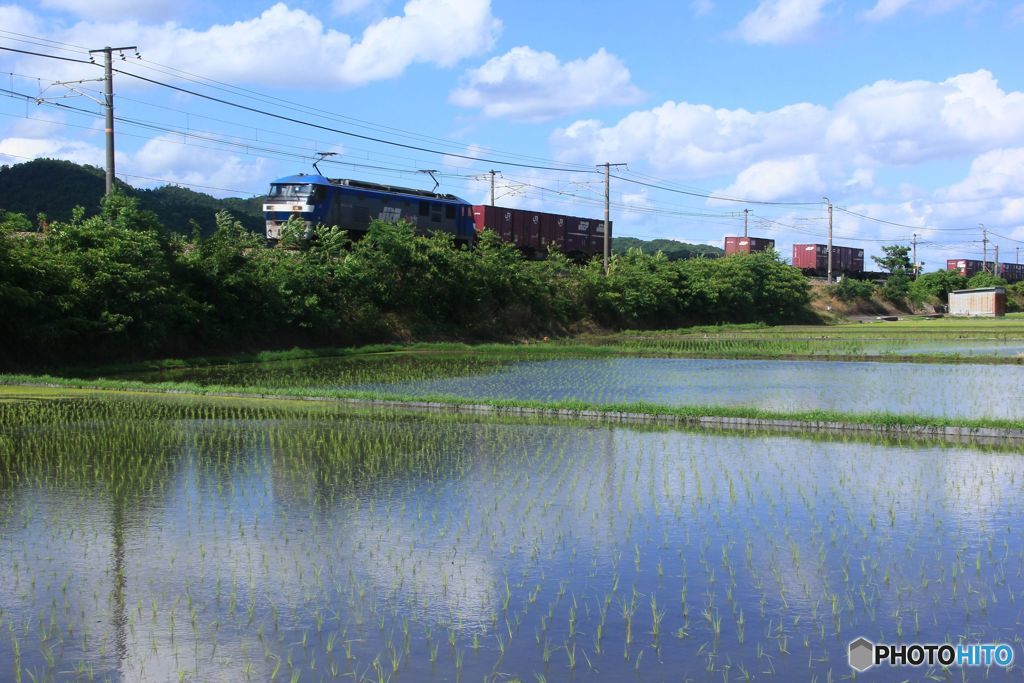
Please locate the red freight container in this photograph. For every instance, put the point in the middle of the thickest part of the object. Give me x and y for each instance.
(746, 245)
(1011, 272)
(494, 218)
(534, 231)
(527, 229)
(552, 230)
(576, 235)
(596, 241)
(813, 258)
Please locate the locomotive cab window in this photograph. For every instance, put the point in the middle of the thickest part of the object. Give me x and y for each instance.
(424, 208)
(449, 211)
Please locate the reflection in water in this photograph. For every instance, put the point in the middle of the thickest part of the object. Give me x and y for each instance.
(179, 540)
(964, 391)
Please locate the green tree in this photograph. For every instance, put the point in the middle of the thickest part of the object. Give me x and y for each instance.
(936, 286)
(895, 258)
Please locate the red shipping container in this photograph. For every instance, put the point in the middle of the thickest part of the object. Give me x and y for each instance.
(814, 257)
(526, 233)
(552, 230)
(746, 245)
(576, 235)
(494, 218)
(596, 241)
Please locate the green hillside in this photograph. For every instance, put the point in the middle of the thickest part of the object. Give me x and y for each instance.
(55, 188)
(671, 248)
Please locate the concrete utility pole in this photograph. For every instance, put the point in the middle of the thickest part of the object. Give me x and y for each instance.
(108, 91)
(984, 247)
(746, 212)
(1017, 260)
(995, 265)
(492, 172)
(829, 278)
(914, 242)
(607, 211)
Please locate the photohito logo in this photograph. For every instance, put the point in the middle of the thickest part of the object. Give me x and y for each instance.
(863, 654)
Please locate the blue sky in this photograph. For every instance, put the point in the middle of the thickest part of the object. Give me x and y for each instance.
(906, 111)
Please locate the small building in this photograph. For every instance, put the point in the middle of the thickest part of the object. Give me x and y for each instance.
(985, 302)
(747, 245)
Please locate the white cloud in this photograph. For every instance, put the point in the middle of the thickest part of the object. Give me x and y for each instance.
(528, 85)
(781, 21)
(24, 148)
(884, 124)
(166, 158)
(119, 9)
(26, 22)
(695, 140)
(993, 174)
(778, 179)
(440, 32)
(884, 9)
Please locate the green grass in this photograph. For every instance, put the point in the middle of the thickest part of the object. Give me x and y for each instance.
(868, 342)
(17, 384)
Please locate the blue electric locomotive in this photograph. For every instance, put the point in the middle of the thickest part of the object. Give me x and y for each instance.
(353, 204)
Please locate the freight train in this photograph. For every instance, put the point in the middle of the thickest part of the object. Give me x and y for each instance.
(747, 245)
(353, 204)
(1011, 272)
(812, 259)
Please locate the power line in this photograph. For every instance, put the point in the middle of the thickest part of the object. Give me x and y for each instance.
(713, 196)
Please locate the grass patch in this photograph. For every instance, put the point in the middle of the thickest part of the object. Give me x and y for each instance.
(21, 383)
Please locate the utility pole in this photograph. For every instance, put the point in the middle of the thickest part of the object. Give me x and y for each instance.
(607, 211)
(984, 247)
(995, 266)
(1017, 260)
(914, 242)
(746, 212)
(492, 172)
(108, 92)
(829, 279)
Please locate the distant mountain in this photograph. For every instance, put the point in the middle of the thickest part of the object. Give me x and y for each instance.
(55, 188)
(673, 249)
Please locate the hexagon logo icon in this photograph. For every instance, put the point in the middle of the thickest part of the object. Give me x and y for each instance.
(862, 654)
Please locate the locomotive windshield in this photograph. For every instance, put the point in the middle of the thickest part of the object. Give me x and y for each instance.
(290, 192)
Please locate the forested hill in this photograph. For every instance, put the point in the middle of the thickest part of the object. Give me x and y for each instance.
(55, 188)
(671, 248)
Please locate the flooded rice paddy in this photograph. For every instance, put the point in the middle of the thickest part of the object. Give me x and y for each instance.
(930, 390)
(174, 539)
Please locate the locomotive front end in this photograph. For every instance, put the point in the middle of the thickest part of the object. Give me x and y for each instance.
(287, 199)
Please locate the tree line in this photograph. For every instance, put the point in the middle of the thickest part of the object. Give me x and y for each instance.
(117, 286)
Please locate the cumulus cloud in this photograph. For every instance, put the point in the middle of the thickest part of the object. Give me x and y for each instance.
(21, 149)
(775, 178)
(694, 140)
(992, 174)
(165, 157)
(781, 21)
(294, 48)
(881, 125)
(525, 84)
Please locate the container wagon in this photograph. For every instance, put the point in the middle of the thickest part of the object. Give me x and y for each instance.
(534, 231)
(747, 245)
(1011, 272)
(812, 259)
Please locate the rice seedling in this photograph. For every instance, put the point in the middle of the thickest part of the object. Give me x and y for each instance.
(312, 540)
